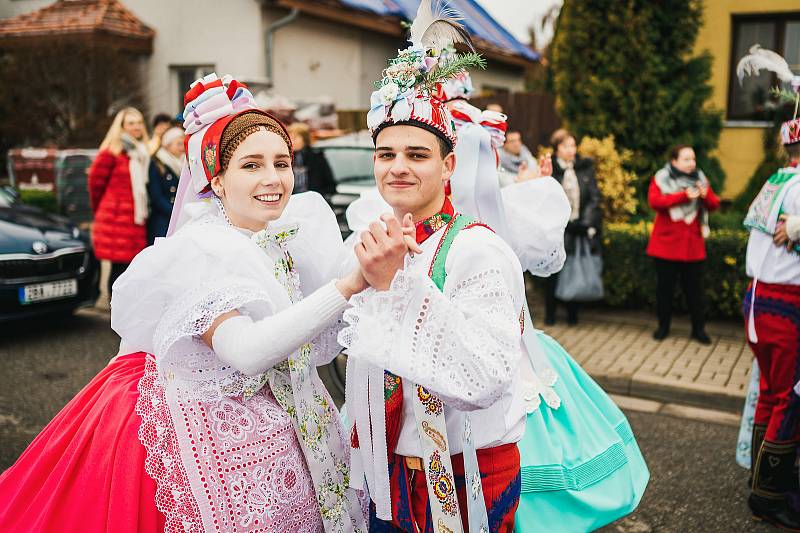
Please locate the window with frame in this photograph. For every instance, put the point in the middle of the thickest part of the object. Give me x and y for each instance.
(185, 75)
(777, 31)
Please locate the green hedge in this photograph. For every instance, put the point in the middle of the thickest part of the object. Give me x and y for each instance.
(630, 278)
(45, 200)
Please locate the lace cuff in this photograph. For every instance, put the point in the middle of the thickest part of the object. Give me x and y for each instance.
(461, 346)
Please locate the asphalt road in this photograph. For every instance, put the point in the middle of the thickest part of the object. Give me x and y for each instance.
(695, 484)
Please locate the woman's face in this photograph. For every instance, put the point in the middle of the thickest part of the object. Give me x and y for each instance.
(133, 125)
(567, 149)
(258, 182)
(686, 161)
(175, 147)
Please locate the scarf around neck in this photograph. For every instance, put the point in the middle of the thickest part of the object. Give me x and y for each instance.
(670, 180)
(172, 162)
(571, 187)
(138, 163)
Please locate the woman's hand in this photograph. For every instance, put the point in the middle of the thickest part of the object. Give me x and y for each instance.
(693, 193)
(703, 191)
(526, 173)
(546, 165)
(352, 284)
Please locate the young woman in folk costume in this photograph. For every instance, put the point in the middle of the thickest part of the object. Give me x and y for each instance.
(214, 417)
(579, 426)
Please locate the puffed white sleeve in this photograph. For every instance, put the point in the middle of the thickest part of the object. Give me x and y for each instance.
(463, 344)
(537, 212)
(173, 291)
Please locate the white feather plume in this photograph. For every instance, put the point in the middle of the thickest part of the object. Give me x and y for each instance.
(761, 58)
(437, 26)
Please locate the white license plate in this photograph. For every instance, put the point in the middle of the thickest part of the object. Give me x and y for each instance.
(53, 290)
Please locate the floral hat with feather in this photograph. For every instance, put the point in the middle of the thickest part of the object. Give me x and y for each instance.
(761, 58)
(410, 90)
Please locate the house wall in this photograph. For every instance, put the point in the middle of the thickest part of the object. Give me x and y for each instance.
(227, 37)
(740, 147)
(12, 8)
(312, 58)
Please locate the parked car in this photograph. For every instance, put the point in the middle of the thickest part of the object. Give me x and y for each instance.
(351, 160)
(46, 262)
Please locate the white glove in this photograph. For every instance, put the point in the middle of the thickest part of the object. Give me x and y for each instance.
(252, 347)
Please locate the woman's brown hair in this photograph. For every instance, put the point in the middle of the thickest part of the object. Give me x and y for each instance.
(559, 136)
(676, 151)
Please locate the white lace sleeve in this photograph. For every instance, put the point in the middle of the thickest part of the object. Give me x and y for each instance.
(537, 212)
(463, 345)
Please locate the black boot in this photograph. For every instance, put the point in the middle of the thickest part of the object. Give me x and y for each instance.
(700, 336)
(773, 478)
(661, 333)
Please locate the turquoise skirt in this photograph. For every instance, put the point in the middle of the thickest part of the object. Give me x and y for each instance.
(581, 466)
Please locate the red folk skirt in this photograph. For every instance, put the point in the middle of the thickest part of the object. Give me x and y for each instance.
(85, 470)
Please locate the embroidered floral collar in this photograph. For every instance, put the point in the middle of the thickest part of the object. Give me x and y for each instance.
(279, 236)
(429, 226)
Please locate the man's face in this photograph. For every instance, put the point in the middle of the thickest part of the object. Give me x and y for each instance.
(513, 143)
(410, 171)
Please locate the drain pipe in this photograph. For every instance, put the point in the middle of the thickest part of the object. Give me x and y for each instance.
(270, 37)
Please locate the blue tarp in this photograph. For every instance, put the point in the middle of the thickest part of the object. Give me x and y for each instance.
(477, 21)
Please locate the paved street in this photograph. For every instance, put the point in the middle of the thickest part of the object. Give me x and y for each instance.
(617, 348)
(695, 487)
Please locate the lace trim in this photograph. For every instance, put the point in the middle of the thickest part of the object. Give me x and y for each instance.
(163, 464)
(546, 265)
(188, 362)
(464, 357)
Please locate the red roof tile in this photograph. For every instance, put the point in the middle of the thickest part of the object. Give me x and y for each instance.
(78, 17)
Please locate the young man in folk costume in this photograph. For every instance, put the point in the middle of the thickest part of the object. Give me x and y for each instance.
(578, 428)
(435, 348)
(772, 320)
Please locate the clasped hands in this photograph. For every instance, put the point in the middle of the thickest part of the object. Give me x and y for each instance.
(381, 253)
(697, 192)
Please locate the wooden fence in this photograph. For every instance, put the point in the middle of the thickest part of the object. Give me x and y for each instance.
(532, 114)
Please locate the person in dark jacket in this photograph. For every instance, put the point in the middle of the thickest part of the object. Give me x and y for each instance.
(311, 169)
(576, 175)
(682, 198)
(165, 170)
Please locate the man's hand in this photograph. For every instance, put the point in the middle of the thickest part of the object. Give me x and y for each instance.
(382, 252)
(781, 236)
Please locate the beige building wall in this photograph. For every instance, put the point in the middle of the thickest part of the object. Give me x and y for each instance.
(740, 147)
(227, 37)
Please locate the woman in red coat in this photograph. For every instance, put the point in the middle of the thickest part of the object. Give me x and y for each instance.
(682, 198)
(118, 192)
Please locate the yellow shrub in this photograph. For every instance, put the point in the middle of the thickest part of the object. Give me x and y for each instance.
(617, 186)
(615, 183)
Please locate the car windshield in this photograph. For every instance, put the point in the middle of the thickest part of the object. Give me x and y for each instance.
(350, 164)
(6, 198)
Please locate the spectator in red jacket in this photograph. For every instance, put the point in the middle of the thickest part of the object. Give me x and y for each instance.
(682, 198)
(118, 192)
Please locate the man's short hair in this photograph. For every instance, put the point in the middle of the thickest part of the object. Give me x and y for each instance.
(793, 150)
(444, 148)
